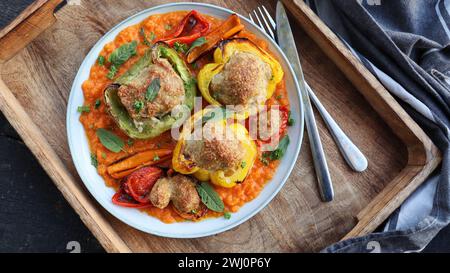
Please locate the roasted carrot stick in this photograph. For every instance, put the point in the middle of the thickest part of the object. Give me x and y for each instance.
(227, 29)
(138, 160)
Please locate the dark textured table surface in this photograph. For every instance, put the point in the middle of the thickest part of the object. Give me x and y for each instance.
(34, 216)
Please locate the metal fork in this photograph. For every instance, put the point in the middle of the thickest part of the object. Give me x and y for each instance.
(352, 155)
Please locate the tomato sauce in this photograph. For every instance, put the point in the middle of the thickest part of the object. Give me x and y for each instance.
(161, 25)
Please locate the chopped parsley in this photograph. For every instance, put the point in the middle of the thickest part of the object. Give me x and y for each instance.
(156, 158)
(130, 142)
(112, 72)
(97, 104)
(138, 105)
(94, 161)
(180, 47)
(83, 109)
(167, 27)
(291, 120)
(101, 60)
(103, 155)
(144, 37)
(279, 97)
(264, 160)
(227, 215)
(243, 164)
(152, 36)
(281, 149)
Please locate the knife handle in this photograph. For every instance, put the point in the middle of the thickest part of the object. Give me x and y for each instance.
(320, 162)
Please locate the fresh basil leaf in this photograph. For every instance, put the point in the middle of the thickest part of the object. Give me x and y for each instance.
(83, 109)
(214, 115)
(123, 53)
(210, 197)
(111, 141)
(281, 149)
(153, 89)
(199, 42)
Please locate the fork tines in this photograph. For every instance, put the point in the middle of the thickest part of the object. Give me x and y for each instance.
(264, 21)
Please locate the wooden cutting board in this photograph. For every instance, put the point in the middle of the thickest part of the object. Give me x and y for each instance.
(35, 85)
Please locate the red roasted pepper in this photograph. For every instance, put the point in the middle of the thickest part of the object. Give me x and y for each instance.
(192, 27)
(121, 198)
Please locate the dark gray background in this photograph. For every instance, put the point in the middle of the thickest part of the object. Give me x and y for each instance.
(34, 216)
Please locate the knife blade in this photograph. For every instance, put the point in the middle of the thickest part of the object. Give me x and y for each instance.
(287, 44)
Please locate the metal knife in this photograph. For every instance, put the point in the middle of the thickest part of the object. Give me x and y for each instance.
(287, 44)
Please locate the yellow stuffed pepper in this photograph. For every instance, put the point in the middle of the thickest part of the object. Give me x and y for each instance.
(242, 75)
(223, 153)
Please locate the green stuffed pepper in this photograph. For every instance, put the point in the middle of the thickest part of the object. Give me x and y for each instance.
(141, 101)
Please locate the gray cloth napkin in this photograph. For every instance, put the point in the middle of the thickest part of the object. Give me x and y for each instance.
(406, 45)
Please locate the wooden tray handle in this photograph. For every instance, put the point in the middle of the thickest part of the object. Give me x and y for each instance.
(27, 30)
(69, 187)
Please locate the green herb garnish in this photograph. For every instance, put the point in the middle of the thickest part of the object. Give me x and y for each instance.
(153, 89)
(83, 109)
(281, 149)
(101, 60)
(110, 140)
(279, 97)
(227, 215)
(97, 104)
(94, 161)
(264, 161)
(138, 105)
(243, 164)
(156, 158)
(167, 27)
(123, 53)
(152, 36)
(199, 42)
(180, 47)
(130, 142)
(112, 72)
(144, 37)
(291, 120)
(103, 155)
(210, 197)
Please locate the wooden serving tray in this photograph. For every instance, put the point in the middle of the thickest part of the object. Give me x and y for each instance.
(35, 85)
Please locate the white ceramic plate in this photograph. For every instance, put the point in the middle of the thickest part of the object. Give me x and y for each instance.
(81, 155)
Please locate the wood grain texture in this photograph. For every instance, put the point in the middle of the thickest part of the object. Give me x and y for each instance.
(29, 10)
(36, 88)
(37, 18)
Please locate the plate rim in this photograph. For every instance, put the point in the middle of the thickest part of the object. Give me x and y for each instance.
(214, 231)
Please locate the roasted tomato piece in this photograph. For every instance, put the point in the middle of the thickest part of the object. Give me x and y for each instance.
(139, 184)
(121, 198)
